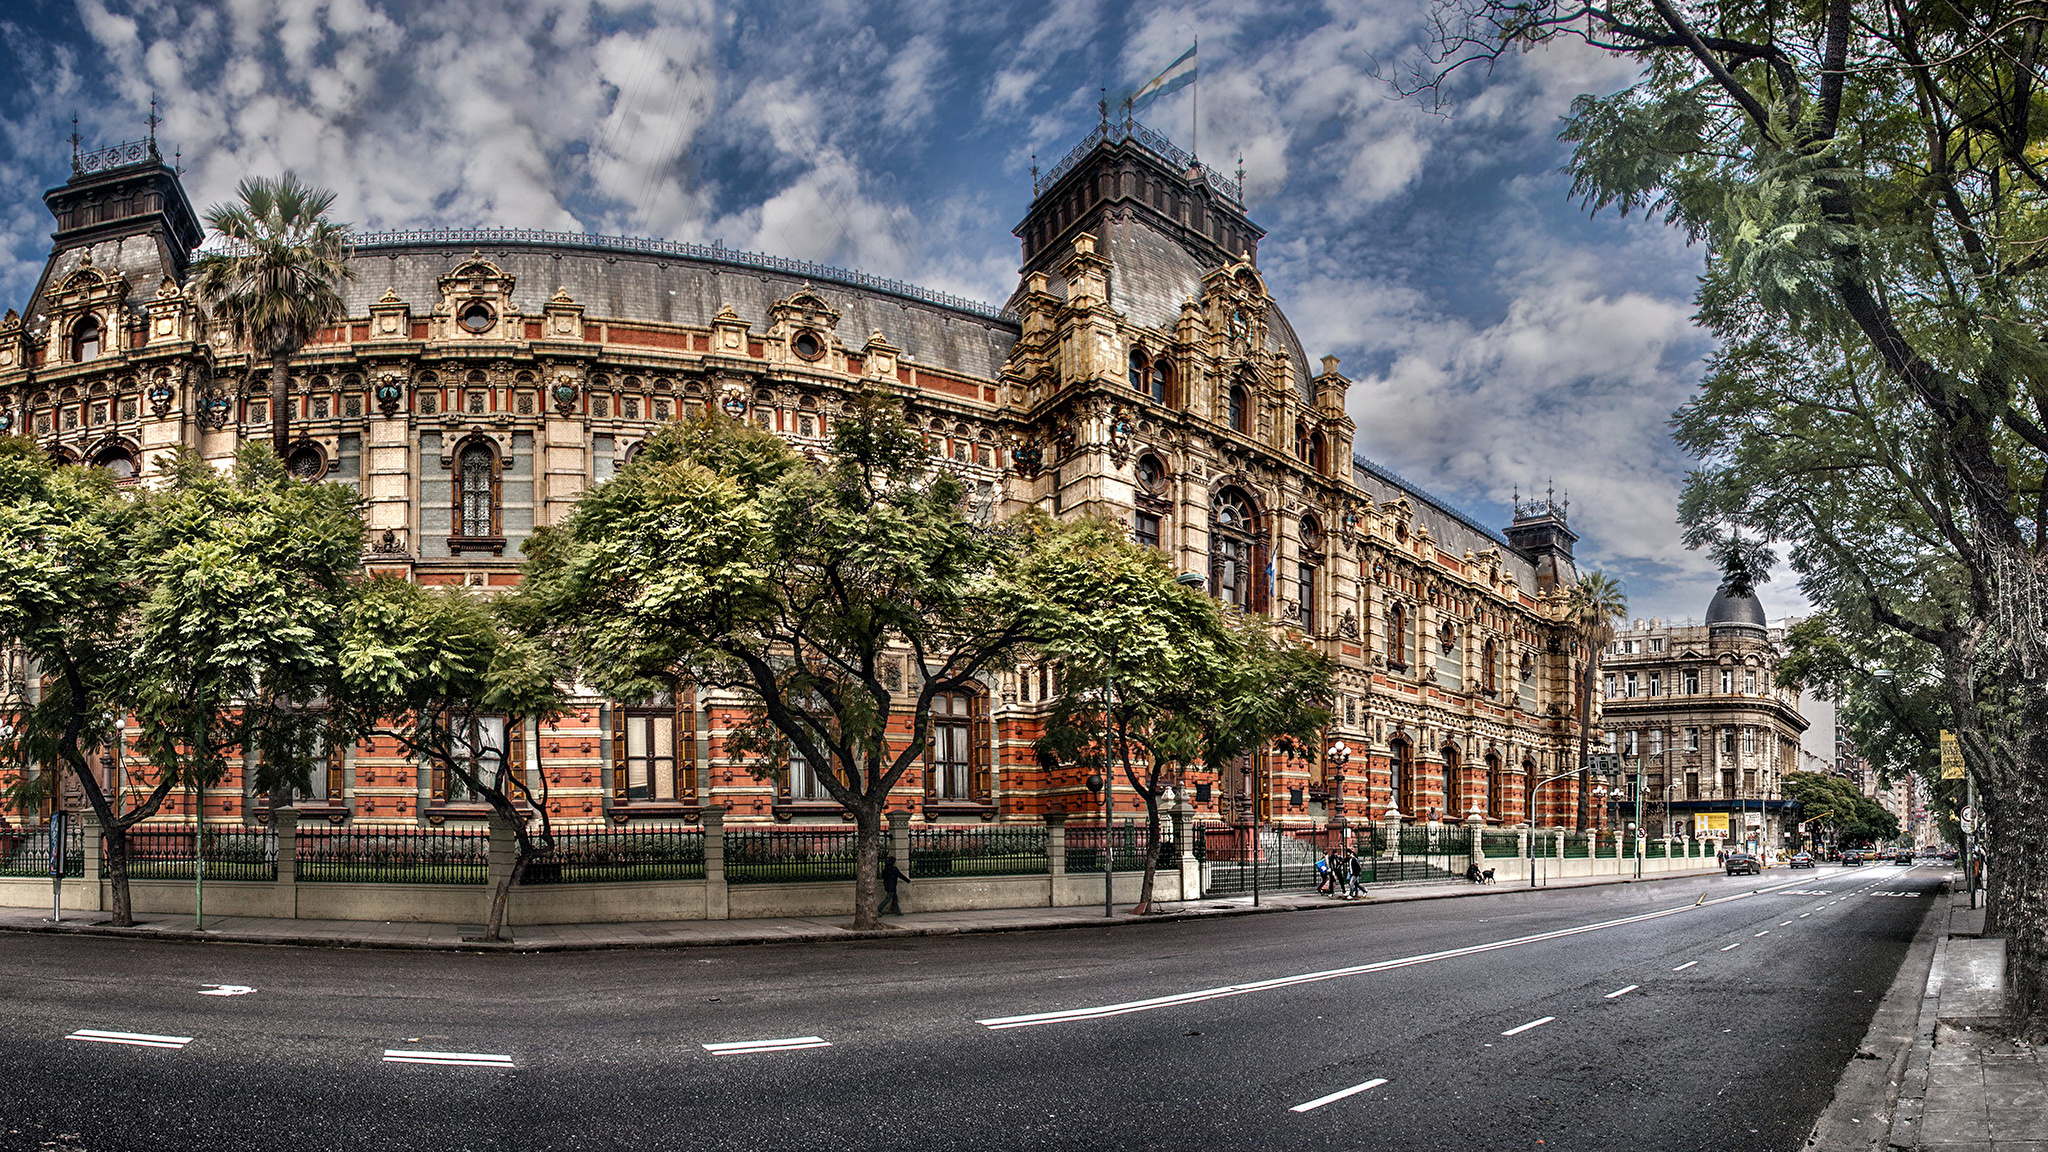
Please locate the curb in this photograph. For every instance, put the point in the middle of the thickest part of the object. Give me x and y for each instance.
(188, 936)
(1910, 1105)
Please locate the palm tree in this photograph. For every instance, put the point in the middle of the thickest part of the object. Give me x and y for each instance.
(276, 279)
(1596, 603)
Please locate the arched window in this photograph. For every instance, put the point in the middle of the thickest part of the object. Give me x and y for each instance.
(1489, 655)
(477, 525)
(1234, 572)
(1240, 409)
(1454, 802)
(1397, 638)
(85, 340)
(1496, 789)
(1401, 761)
(1318, 453)
(1301, 441)
(1140, 371)
(1162, 381)
(118, 463)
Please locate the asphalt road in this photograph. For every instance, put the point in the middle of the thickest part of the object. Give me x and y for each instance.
(1664, 1024)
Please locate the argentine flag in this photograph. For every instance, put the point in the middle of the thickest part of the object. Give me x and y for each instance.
(1177, 76)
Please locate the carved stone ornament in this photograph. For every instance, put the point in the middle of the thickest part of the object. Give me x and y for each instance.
(390, 395)
(735, 405)
(1121, 430)
(214, 409)
(6, 421)
(565, 396)
(161, 394)
(1028, 457)
(1347, 625)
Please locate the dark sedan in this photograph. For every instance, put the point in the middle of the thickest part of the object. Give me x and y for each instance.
(1743, 864)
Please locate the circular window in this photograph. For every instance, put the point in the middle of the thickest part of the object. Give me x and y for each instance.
(477, 317)
(306, 462)
(1151, 473)
(808, 346)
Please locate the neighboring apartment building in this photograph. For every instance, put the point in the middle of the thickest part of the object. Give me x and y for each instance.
(1696, 711)
(483, 380)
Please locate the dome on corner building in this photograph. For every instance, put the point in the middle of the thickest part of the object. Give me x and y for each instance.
(1728, 613)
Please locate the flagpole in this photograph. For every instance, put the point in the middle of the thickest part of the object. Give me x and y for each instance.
(1195, 107)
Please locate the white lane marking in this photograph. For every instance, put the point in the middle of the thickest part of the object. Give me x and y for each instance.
(1786, 924)
(1098, 1012)
(458, 1059)
(1619, 992)
(1684, 966)
(1765, 932)
(138, 1039)
(1518, 1029)
(748, 1047)
(225, 990)
(1735, 945)
(1804, 915)
(1333, 1097)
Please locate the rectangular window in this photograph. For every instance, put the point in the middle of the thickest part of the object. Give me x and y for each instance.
(1728, 741)
(1749, 780)
(481, 747)
(1656, 741)
(1728, 780)
(651, 755)
(1692, 739)
(1749, 680)
(1305, 595)
(1608, 686)
(803, 778)
(1145, 529)
(1629, 685)
(951, 763)
(1657, 644)
(1629, 746)
(1656, 684)
(1749, 741)
(654, 750)
(1692, 785)
(1692, 681)
(1727, 681)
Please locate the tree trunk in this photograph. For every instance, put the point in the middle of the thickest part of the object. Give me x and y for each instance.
(280, 395)
(117, 875)
(501, 899)
(1144, 906)
(867, 865)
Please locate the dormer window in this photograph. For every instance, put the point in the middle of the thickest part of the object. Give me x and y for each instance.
(1162, 381)
(85, 340)
(1240, 409)
(477, 317)
(1139, 370)
(808, 346)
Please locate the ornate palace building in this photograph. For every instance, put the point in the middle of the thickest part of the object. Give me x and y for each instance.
(1697, 711)
(483, 380)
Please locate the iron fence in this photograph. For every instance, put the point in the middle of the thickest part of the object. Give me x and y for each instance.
(26, 852)
(978, 852)
(1497, 844)
(780, 855)
(231, 854)
(614, 854)
(393, 855)
(1577, 846)
(1656, 849)
(1126, 849)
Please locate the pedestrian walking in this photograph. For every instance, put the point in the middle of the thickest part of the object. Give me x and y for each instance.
(891, 876)
(1355, 867)
(1326, 872)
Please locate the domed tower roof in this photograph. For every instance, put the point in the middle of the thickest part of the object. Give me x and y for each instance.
(1730, 614)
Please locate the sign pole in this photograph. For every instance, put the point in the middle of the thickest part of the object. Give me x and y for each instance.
(58, 820)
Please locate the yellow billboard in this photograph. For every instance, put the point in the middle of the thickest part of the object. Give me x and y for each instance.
(1710, 825)
(1951, 756)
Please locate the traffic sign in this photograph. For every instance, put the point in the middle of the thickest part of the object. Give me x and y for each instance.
(57, 838)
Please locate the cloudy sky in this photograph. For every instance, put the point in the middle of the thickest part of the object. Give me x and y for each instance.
(1499, 336)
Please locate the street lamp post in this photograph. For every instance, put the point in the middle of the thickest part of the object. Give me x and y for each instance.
(1639, 818)
(1533, 790)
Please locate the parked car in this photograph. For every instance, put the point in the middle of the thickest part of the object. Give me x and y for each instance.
(1743, 864)
(1800, 860)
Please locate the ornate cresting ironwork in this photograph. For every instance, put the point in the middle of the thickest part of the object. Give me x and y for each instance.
(1153, 141)
(717, 253)
(118, 156)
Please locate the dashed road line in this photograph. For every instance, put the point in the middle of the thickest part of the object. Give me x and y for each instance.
(1733, 946)
(1333, 1097)
(1539, 1022)
(453, 1059)
(749, 1047)
(1619, 992)
(1765, 932)
(136, 1039)
(1684, 966)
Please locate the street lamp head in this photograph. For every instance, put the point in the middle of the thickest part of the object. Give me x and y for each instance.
(1095, 781)
(1190, 580)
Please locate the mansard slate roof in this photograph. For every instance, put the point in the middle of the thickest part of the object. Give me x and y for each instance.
(670, 288)
(1454, 531)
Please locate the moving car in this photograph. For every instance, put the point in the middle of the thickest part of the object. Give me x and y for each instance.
(1905, 856)
(1743, 864)
(1852, 858)
(1800, 860)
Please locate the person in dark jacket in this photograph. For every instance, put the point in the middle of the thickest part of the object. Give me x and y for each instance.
(891, 876)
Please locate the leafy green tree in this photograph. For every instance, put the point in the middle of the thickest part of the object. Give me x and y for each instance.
(206, 607)
(1596, 603)
(831, 597)
(275, 276)
(1866, 180)
(441, 673)
(1183, 684)
(1836, 806)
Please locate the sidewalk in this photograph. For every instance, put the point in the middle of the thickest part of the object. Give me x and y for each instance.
(701, 933)
(1966, 1087)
